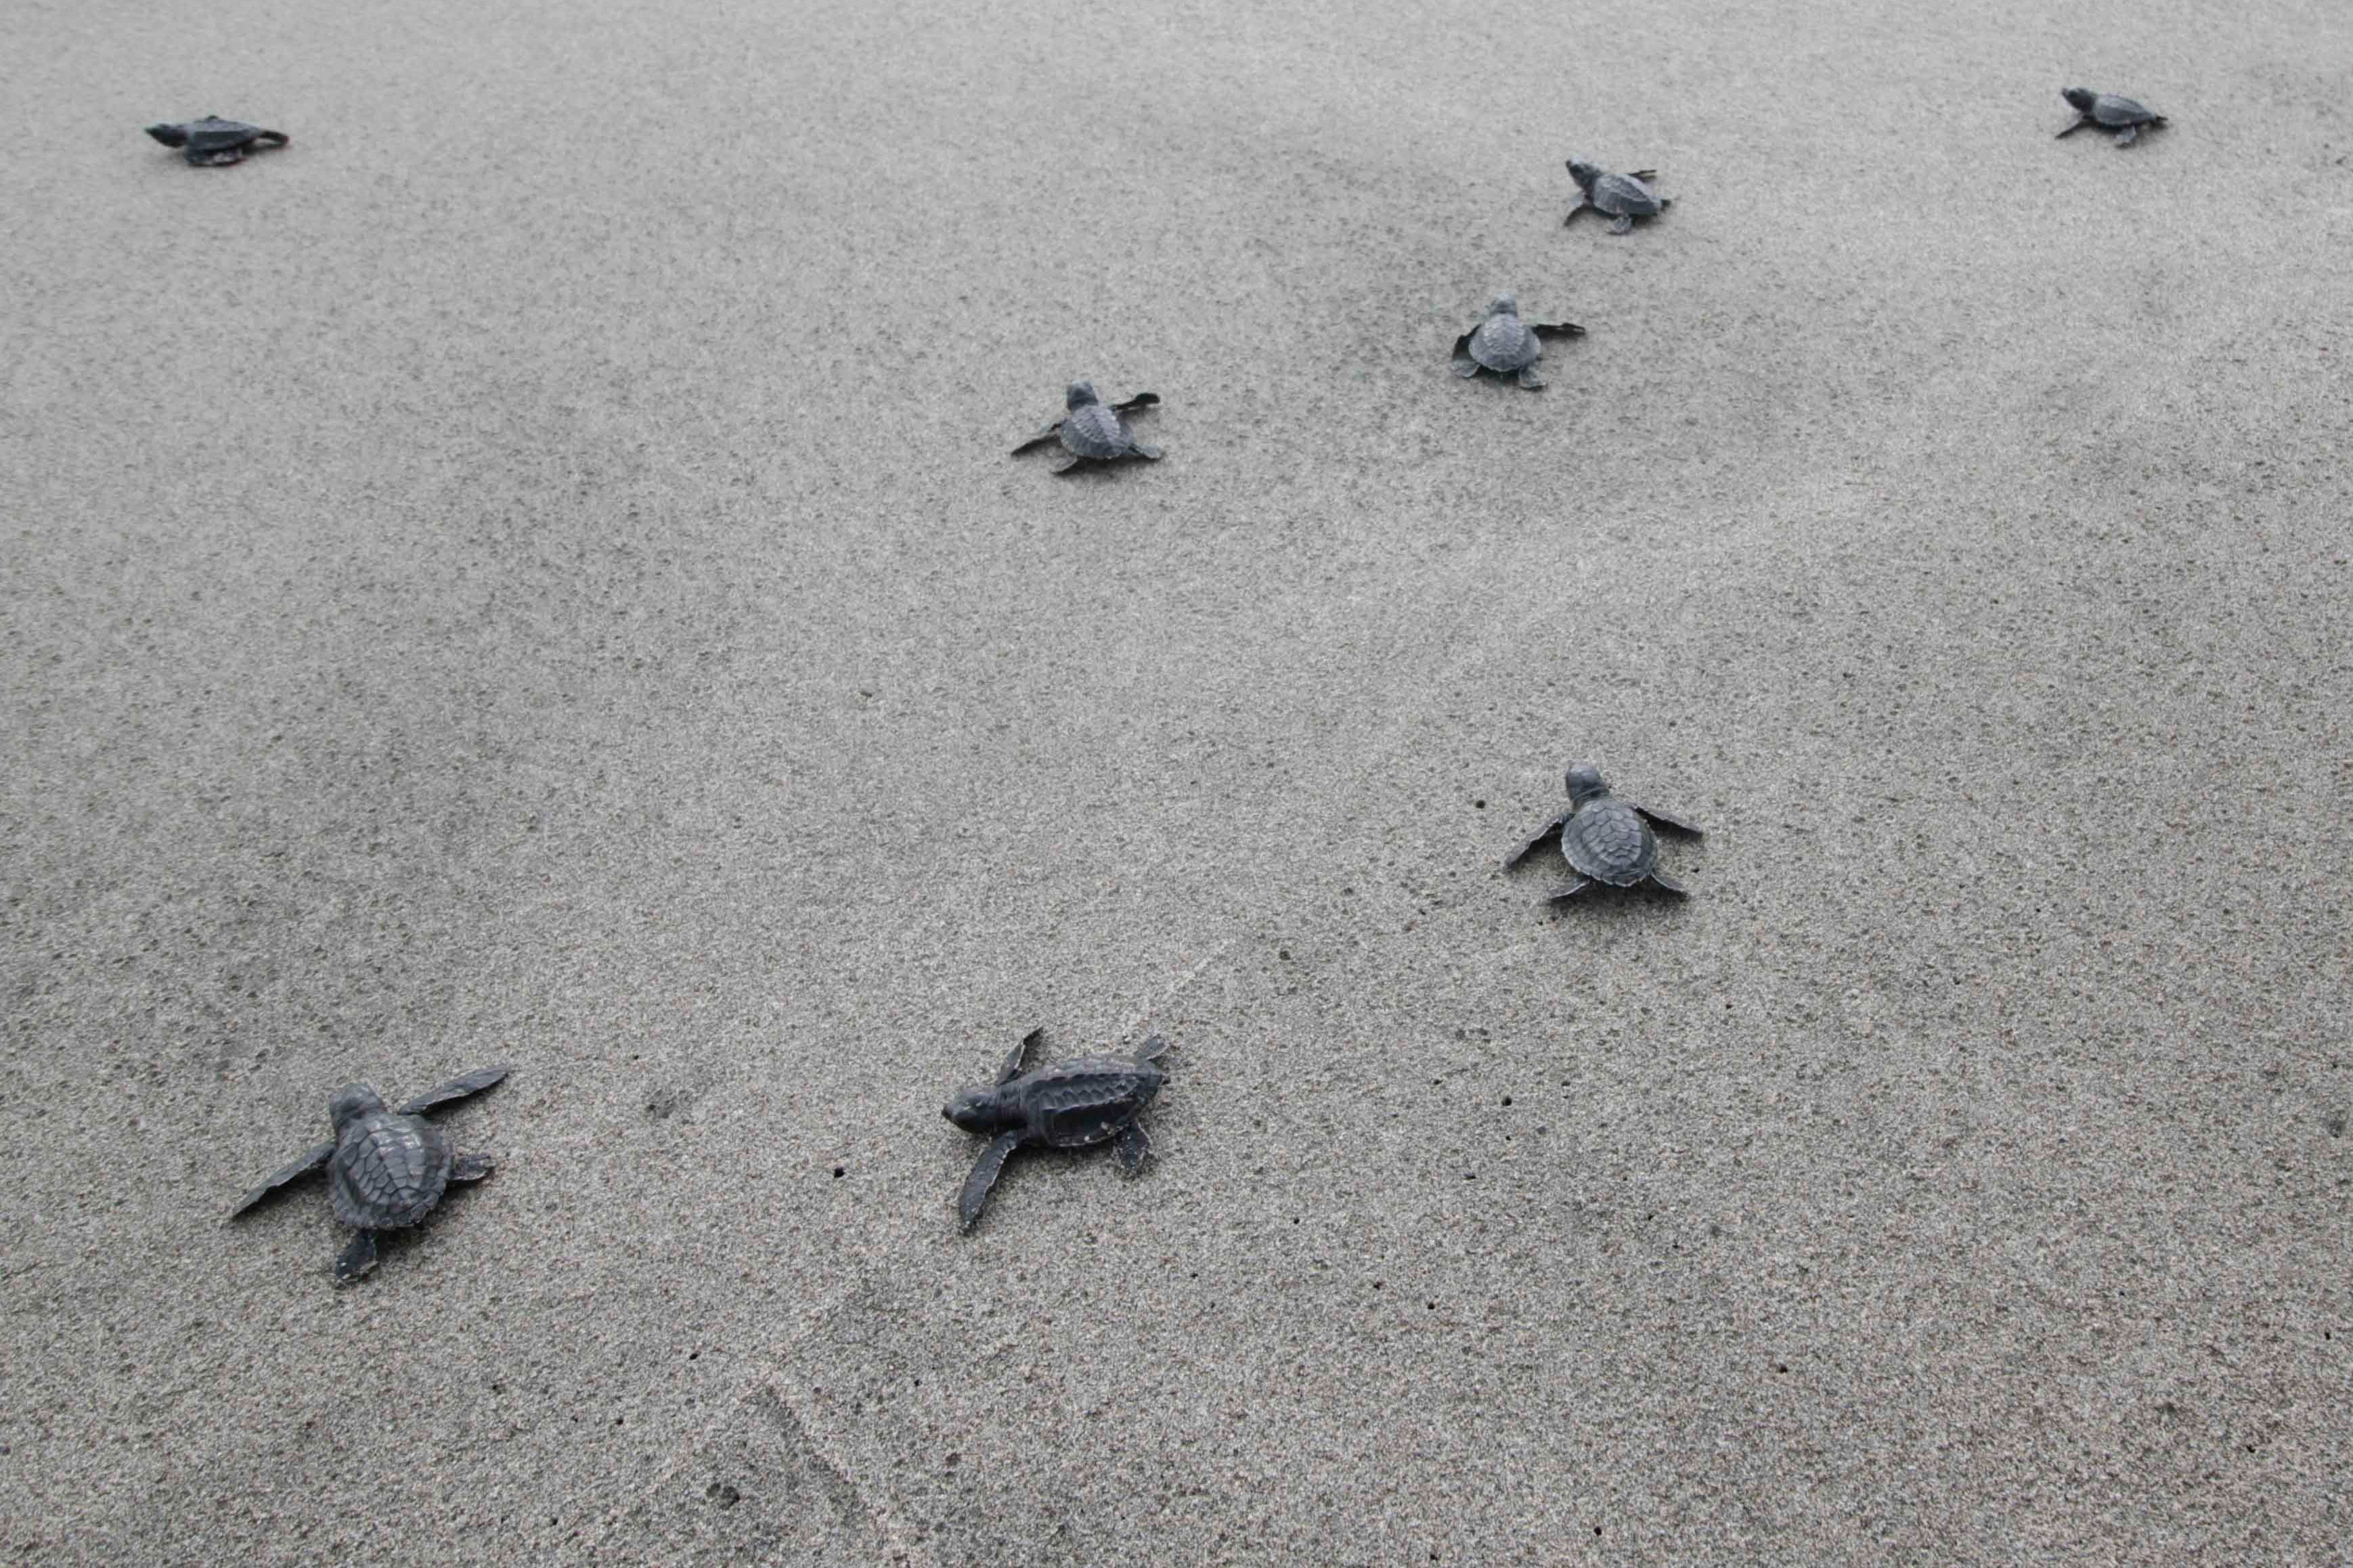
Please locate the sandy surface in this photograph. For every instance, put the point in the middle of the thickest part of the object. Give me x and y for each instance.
(532, 573)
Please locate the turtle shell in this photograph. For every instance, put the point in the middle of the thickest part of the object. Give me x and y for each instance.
(388, 1171)
(1084, 1101)
(2110, 110)
(1094, 431)
(1503, 342)
(1608, 840)
(214, 134)
(1623, 195)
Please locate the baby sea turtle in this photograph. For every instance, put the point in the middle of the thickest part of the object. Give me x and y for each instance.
(385, 1169)
(1605, 840)
(1066, 1106)
(1093, 431)
(2109, 112)
(1507, 345)
(1622, 198)
(215, 140)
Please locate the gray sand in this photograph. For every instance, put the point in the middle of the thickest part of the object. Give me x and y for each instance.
(532, 573)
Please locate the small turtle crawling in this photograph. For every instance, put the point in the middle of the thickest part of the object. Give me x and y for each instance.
(1507, 345)
(1093, 431)
(1069, 1105)
(1605, 840)
(385, 1169)
(2126, 117)
(213, 141)
(1622, 198)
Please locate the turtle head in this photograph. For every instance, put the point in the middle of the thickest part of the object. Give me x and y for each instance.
(978, 1110)
(1583, 173)
(2080, 97)
(1585, 783)
(169, 135)
(1503, 305)
(1081, 393)
(353, 1102)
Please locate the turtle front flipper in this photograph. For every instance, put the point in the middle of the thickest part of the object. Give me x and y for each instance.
(217, 157)
(1050, 432)
(471, 1167)
(1548, 330)
(1582, 206)
(357, 1258)
(1141, 400)
(2081, 120)
(984, 1172)
(456, 1088)
(1134, 1146)
(1645, 175)
(1545, 835)
(1672, 823)
(311, 1160)
(1012, 1067)
(1464, 365)
(1154, 1048)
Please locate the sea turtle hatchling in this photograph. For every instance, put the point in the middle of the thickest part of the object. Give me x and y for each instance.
(1093, 431)
(1605, 840)
(1507, 345)
(2126, 117)
(1622, 198)
(212, 140)
(1069, 1105)
(385, 1169)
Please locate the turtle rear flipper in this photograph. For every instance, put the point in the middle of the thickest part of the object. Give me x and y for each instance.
(1464, 365)
(456, 1088)
(357, 1258)
(1624, 224)
(984, 1172)
(1531, 379)
(1134, 1146)
(311, 1160)
(1567, 893)
(1660, 879)
(217, 158)
(1145, 450)
(2128, 135)
(1066, 463)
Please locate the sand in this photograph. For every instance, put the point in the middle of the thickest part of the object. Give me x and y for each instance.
(532, 573)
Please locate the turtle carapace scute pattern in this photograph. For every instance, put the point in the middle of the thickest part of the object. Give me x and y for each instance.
(1508, 346)
(2109, 112)
(386, 1167)
(1620, 198)
(1605, 840)
(213, 142)
(1093, 431)
(1065, 1105)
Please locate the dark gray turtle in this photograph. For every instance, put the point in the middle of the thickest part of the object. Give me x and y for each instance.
(213, 140)
(2109, 112)
(385, 1169)
(1070, 1105)
(1093, 431)
(1605, 840)
(1507, 345)
(1622, 198)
